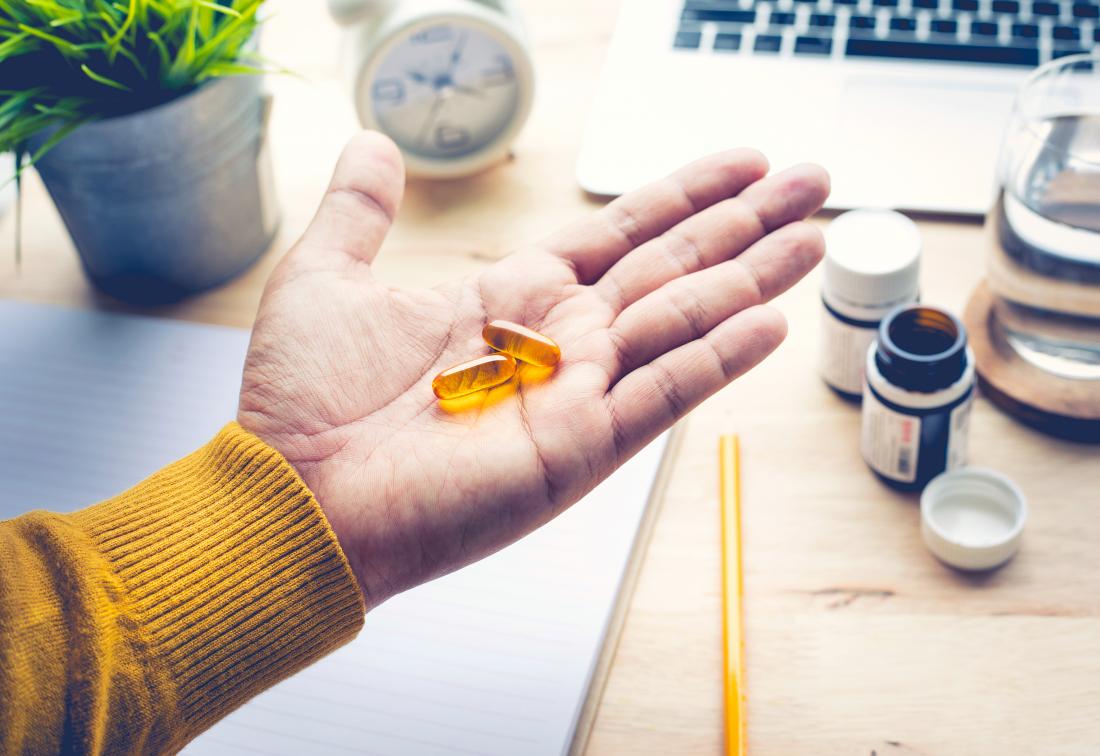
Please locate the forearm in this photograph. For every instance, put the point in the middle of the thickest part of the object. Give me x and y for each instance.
(133, 625)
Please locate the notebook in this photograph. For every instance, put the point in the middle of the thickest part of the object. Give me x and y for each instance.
(498, 658)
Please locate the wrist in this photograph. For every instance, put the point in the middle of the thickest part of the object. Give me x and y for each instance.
(308, 469)
(227, 550)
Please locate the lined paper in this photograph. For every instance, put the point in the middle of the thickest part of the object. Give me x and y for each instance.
(495, 659)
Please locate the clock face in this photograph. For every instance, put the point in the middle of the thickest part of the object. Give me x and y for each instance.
(445, 90)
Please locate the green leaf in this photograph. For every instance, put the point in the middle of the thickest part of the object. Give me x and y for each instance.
(57, 13)
(103, 79)
(215, 70)
(53, 141)
(161, 49)
(13, 45)
(63, 45)
(217, 8)
(177, 73)
(116, 38)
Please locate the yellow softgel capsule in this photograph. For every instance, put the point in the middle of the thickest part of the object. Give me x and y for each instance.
(522, 343)
(474, 375)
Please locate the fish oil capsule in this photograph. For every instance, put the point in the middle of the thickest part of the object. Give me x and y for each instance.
(474, 375)
(522, 343)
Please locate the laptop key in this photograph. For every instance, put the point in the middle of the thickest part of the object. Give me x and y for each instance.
(901, 23)
(892, 48)
(813, 46)
(884, 3)
(983, 29)
(1062, 52)
(767, 43)
(708, 4)
(823, 20)
(845, 2)
(687, 40)
(782, 19)
(727, 42)
(945, 26)
(1006, 6)
(1067, 33)
(1086, 11)
(964, 5)
(932, 4)
(1045, 9)
(862, 22)
(1025, 31)
(727, 16)
(1096, 35)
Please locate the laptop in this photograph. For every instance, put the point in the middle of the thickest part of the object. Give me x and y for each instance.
(904, 101)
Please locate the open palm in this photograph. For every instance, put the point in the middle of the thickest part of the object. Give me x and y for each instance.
(656, 301)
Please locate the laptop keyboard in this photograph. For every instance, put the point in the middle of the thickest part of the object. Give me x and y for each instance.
(999, 32)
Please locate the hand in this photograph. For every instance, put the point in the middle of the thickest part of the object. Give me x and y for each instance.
(656, 301)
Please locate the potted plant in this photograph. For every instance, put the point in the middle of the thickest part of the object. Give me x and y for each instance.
(145, 120)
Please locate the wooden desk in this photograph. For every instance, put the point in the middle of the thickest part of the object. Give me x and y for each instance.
(859, 642)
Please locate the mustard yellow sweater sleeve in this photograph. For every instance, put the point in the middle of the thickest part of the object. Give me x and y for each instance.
(131, 626)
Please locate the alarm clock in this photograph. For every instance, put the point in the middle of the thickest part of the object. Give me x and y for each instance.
(450, 81)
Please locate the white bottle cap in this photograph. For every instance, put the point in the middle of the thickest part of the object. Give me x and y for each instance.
(972, 518)
(872, 261)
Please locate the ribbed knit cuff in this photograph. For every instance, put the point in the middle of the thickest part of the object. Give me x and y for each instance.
(232, 571)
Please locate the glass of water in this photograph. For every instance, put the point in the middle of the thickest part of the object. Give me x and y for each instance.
(1044, 268)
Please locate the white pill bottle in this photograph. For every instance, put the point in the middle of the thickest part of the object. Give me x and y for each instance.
(872, 265)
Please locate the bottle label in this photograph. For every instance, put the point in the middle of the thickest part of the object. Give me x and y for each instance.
(890, 440)
(959, 434)
(844, 353)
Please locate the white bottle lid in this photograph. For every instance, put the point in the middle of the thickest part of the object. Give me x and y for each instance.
(872, 262)
(972, 518)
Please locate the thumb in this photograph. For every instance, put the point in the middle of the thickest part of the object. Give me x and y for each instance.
(361, 200)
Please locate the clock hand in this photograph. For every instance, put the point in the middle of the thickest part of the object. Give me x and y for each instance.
(457, 54)
(468, 90)
(428, 121)
(419, 78)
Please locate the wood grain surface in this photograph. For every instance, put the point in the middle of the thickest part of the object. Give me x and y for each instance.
(858, 641)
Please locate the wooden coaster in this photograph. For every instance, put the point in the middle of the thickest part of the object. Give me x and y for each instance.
(1059, 406)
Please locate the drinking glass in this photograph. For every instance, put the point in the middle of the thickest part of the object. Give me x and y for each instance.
(1044, 267)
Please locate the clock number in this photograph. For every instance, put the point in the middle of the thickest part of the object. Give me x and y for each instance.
(451, 137)
(390, 90)
(430, 35)
(499, 74)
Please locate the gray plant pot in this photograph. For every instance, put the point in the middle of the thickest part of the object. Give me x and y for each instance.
(172, 200)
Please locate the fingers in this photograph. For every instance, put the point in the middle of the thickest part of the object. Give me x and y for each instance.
(593, 245)
(687, 308)
(653, 397)
(716, 234)
(360, 202)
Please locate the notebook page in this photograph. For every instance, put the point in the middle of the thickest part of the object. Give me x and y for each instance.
(494, 659)
(91, 403)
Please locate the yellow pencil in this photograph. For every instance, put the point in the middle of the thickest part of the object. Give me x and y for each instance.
(729, 465)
